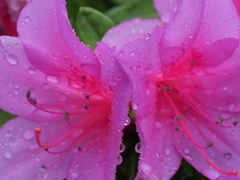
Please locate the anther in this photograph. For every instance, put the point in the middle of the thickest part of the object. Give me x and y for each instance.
(28, 95)
(178, 118)
(193, 63)
(210, 144)
(177, 129)
(32, 101)
(86, 95)
(235, 122)
(219, 122)
(83, 77)
(79, 148)
(44, 167)
(169, 88)
(163, 89)
(85, 106)
(66, 116)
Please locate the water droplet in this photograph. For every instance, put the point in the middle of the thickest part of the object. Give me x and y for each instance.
(138, 147)
(31, 70)
(231, 107)
(127, 121)
(158, 124)
(8, 155)
(157, 155)
(12, 140)
(122, 148)
(149, 69)
(228, 155)
(190, 36)
(133, 53)
(146, 167)
(74, 175)
(186, 151)
(225, 88)
(167, 152)
(169, 171)
(119, 159)
(27, 19)
(52, 79)
(11, 59)
(45, 86)
(28, 134)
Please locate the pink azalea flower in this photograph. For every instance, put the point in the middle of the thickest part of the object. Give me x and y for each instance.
(9, 13)
(56, 85)
(186, 94)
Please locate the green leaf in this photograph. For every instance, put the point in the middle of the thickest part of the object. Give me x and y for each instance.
(91, 25)
(133, 9)
(4, 117)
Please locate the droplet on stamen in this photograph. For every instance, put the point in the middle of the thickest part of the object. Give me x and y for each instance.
(235, 122)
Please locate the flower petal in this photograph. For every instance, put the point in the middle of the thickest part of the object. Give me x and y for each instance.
(115, 78)
(22, 158)
(166, 9)
(49, 40)
(182, 30)
(129, 30)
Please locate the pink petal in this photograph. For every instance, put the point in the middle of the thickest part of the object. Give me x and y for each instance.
(129, 30)
(237, 4)
(159, 157)
(22, 158)
(228, 178)
(166, 9)
(182, 30)
(49, 40)
(116, 80)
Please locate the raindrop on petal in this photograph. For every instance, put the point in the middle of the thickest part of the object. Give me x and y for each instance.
(28, 134)
(138, 147)
(8, 155)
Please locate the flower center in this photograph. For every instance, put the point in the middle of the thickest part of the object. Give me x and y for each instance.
(178, 106)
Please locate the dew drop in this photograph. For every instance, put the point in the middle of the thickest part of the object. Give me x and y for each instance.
(8, 155)
(231, 107)
(225, 88)
(149, 69)
(167, 152)
(45, 86)
(158, 124)
(186, 151)
(122, 148)
(28, 134)
(74, 175)
(190, 36)
(11, 59)
(127, 121)
(31, 70)
(133, 53)
(146, 167)
(27, 19)
(12, 140)
(119, 159)
(52, 79)
(138, 147)
(228, 155)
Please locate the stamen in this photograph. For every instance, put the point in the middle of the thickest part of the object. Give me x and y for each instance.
(28, 95)
(32, 101)
(85, 106)
(199, 148)
(66, 116)
(86, 95)
(210, 144)
(235, 122)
